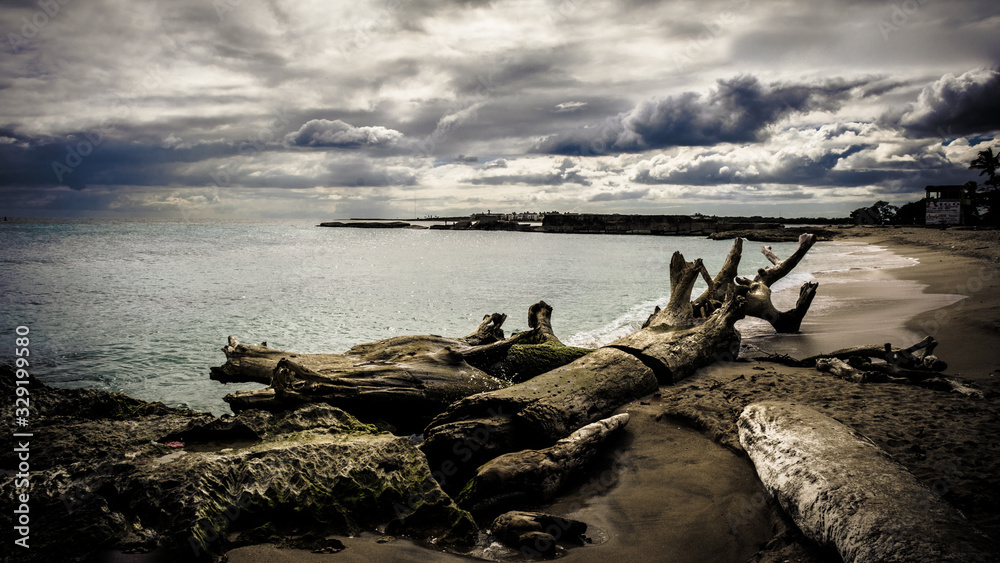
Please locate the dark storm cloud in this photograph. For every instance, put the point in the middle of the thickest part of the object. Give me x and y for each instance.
(824, 169)
(89, 157)
(380, 95)
(565, 173)
(737, 111)
(337, 134)
(620, 196)
(556, 178)
(790, 168)
(964, 105)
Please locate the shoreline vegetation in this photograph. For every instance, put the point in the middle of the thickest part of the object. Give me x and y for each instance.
(676, 465)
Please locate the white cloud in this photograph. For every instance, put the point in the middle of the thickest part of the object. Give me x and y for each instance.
(570, 106)
(337, 134)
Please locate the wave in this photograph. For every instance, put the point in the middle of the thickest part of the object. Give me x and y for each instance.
(625, 324)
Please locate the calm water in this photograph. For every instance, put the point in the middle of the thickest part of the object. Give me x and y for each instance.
(144, 307)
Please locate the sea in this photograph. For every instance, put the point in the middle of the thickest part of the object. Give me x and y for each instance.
(144, 307)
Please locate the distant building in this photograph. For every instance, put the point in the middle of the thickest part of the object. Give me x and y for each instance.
(492, 217)
(947, 205)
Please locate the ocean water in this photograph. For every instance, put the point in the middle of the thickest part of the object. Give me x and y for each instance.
(145, 307)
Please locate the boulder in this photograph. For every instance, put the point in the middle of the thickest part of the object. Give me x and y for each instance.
(191, 486)
(537, 534)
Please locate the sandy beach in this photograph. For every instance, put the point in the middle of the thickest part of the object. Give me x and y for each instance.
(676, 485)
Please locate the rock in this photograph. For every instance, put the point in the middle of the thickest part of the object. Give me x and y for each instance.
(537, 533)
(843, 491)
(531, 477)
(371, 225)
(109, 482)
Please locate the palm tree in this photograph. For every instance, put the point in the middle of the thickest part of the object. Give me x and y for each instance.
(987, 163)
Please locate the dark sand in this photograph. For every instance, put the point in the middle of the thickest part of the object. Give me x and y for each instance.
(665, 492)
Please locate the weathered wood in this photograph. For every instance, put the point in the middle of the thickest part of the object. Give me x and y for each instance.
(843, 491)
(841, 369)
(759, 305)
(683, 275)
(536, 413)
(403, 381)
(718, 290)
(532, 477)
(758, 290)
(903, 358)
(886, 363)
(247, 362)
(538, 352)
(533, 414)
(781, 268)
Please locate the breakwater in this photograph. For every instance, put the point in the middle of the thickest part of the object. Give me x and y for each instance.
(681, 225)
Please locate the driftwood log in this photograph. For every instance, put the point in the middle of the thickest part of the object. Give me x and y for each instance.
(914, 365)
(256, 363)
(673, 343)
(537, 353)
(844, 492)
(757, 291)
(533, 477)
(407, 380)
(403, 381)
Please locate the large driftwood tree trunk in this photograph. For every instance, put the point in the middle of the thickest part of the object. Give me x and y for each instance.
(671, 346)
(407, 380)
(759, 297)
(537, 353)
(757, 290)
(673, 343)
(403, 381)
(257, 362)
(843, 491)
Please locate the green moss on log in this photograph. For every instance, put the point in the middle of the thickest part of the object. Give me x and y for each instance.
(525, 361)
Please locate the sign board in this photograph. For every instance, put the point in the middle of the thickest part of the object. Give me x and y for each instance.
(943, 212)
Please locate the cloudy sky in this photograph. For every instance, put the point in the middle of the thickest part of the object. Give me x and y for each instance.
(391, 108)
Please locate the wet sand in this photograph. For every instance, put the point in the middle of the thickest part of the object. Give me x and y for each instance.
(855, 308)
(667, 493)
(673, 493)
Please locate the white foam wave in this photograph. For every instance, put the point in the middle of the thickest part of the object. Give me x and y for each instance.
(846, 257)
(625, 324)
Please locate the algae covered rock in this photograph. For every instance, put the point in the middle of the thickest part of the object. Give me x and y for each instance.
(190, 485)
(538, 534)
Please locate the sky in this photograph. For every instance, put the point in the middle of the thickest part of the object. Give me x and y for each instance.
(207, 109)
